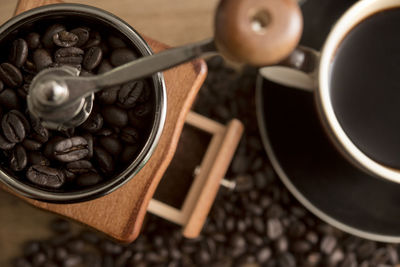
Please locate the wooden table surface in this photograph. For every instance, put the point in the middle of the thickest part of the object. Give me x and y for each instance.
(173, 22)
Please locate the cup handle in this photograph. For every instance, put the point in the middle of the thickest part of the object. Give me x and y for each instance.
(298, 70)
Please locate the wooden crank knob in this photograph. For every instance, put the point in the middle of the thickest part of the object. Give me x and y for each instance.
(257, 32)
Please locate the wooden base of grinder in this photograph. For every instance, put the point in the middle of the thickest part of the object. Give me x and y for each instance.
(120, 214)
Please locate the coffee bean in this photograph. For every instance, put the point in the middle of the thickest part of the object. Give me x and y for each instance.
(45, 176)
(42, 59)
(10, 75)
(65, 39)
(365, 250)
(94, 40)
(104, 160)
(23, 119)
(19, 52)
(263, 255)
(328, 244)
(18, 159)
(108, 96)
(105, 66)
(93, 123)
(82, 34)
(31, 145)
(71, 149)
(121, 56)
(92, 58)
(89, 237)
(129, 94)
(39, 259)
(142, 110)
(72, 260)
(129, 153)
(49, 146)
(115, 42)
(130, 135)
(349, 261)
(115, 116)
(111, 144)
(301, 246)
(39, 133)
(33, 40)
(13, 128)
(47, 38)
(89, 139)
(274, 228)
(79, 166)
(69, 55)
(5, 144)
(36, 158)
(110, 247)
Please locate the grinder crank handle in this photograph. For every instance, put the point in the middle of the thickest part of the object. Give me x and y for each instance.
(255, 32)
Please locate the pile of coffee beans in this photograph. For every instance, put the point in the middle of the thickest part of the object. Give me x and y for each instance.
(258, 224)
(98, 149)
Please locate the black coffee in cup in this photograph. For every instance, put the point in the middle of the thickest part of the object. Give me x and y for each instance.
(365, 86)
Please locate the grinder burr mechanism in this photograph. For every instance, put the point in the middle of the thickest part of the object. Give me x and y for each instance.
(248, 31)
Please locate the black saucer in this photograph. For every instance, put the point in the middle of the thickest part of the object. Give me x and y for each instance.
(316, 174)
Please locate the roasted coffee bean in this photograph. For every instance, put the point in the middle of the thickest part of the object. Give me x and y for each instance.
(89, 237)
(92, 58)
(10, 75)
(89, 139)
(31, 145)
(69, 55)
(23, 119)
(115, 42)
(39, 133)
(105, 66)
(42, 59)
(129, 153)
(108, 96)
(36, 158)
(75, 245)
(83, 35)
(5, 144)
(31, 247)
(13, 128)
(18, 159)
(274, 228)
(65, 39)
(142, 110)
(33, 40)
(110, 247)
(73, 260)
(19, 52)
(121, 56)
(115, 116)
(94, 40)
(130, 135)
(129, 94)
(45, 176)
(328, 244)
(79, 166)
(93, 123)
(111, 144)
(71, 149)
(104, 160)
(88, 179)
(49, 146)
(39, 259)
(105, 132)
(47, 38)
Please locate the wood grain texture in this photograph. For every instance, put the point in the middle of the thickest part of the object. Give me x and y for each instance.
(217, 171)
(121, 213)
(24, 5)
